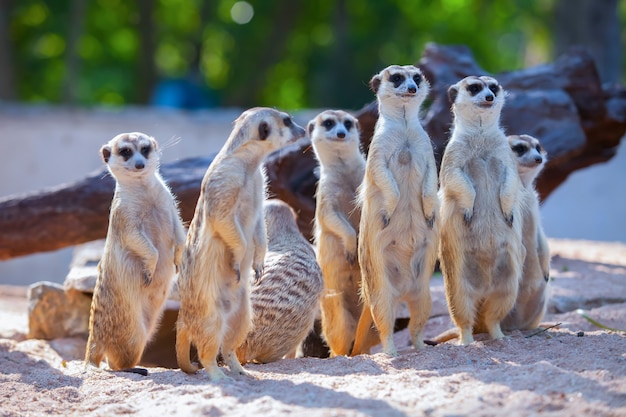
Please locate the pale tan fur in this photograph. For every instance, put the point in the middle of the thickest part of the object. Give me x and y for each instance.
(533, 290)
(532, 297)
(397, 242)
(285, 300)
(481, 251)
(144, 245)
(226, 240)
(335, 138)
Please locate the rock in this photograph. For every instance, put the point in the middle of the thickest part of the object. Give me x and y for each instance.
(54, 312)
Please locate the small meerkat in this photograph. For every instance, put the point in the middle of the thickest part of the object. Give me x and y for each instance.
(397, 244)
(285, 298)
(532, 297)
(481, 250)
(226, 240)
(143, 248)
(335, 138)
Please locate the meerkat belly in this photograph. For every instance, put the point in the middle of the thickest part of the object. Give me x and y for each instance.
(408, 173)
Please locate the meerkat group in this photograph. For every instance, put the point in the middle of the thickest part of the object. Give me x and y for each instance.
(251, 285)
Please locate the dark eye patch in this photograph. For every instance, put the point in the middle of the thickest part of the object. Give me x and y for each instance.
(474, 88)
(396, 79)
(348, 124)
(494, 88)
(328, 124)
(125, 153)
(288, 122)
(538, 148)
(417, 78)
(519, 149)
(145, 150)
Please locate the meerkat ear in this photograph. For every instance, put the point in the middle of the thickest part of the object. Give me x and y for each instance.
(310, 127)
(105, 152)
(375, 83)
(264, 130)
(453, 91)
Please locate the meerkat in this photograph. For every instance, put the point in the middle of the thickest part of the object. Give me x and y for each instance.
(533, 289)
(481, 250)
(143, 248)
(285, 298)
(532, 297)
(336, 142)
(397, 243)
(226, 241)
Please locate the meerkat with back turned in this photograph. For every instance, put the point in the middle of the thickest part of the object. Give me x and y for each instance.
(530, 305)
(226, 240)
(144, 244)
(397, 244)
(335, 138)
(481, 250)
(285, 298)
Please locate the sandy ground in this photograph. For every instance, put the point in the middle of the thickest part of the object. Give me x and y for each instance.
(575, 369)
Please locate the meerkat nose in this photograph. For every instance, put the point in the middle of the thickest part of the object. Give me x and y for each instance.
(412, 89)
(341, 134)
(538, 159)
(489, 97)
(139, 165)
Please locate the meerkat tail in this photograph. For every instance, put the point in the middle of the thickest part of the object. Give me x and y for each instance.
(183, 345)
(362, 331)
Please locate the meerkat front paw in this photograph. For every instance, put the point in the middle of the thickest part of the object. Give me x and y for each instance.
(385, 219)
(351, 257)
(147, 278)
(468, 215)
(430, 220)
(258, 272)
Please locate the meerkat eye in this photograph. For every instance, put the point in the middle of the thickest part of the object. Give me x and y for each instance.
(145, 151)
(125, 153)
(538, 148)
(474, 88)
(396, 79)
(494, 88)
(519, 150)
(288, 122)
(348, 124)
(328, 124)
(417, 78)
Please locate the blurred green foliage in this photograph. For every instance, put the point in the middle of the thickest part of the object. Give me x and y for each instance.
(291, 54)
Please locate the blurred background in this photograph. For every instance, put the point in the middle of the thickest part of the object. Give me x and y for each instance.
(73, 73)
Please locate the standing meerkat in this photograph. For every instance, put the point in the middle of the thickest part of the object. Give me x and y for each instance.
(144, 245)
(285, 298)
(532, 297)
(336, 142)
(398, 229)
(481, 251)
(226, 240)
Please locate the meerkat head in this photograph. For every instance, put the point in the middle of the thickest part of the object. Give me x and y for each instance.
(530, 155)
(476, 96)
(402, 84)
(336, 130)
(264, 128)
(131, 154)
(279, 217)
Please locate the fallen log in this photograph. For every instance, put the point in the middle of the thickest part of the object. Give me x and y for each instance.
(79, 212)
(579, 121)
